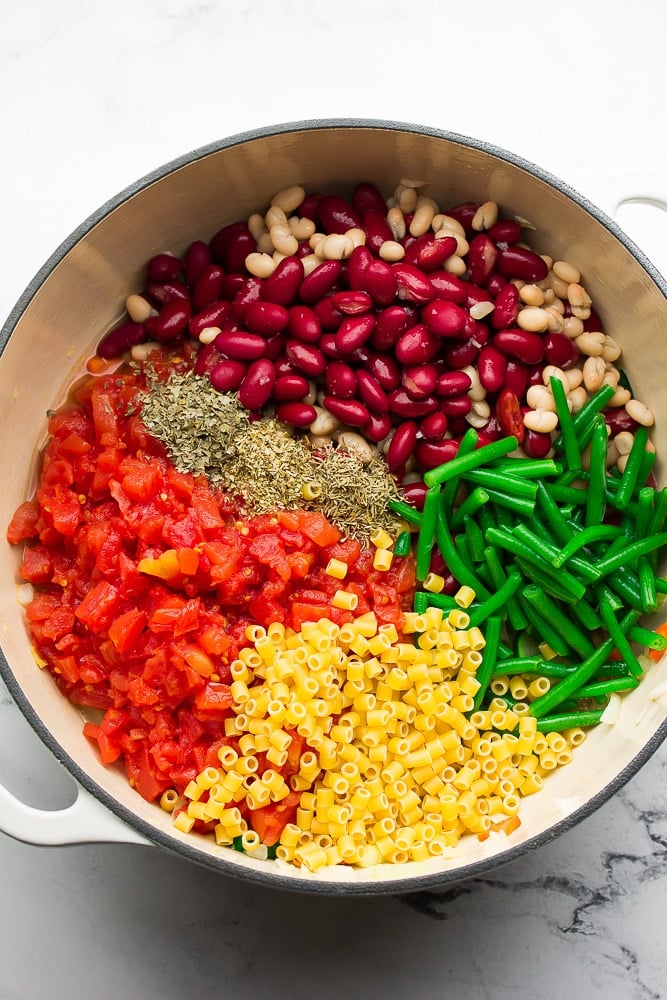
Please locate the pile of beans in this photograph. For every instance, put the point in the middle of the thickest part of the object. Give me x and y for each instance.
(390, 325)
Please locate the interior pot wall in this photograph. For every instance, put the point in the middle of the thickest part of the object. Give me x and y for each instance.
(83, 296)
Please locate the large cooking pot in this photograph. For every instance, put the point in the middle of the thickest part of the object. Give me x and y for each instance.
(78, 294)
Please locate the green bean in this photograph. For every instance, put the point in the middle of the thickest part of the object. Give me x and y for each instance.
(659, 513)
(520, 505)
(471, 505)
(615, 668)
(631, 552)
(567, 430)
(489, 655)
(504, 651)
(467, 445)
(563, 579)
(548, 551)
(426, 538)
(593, 533)
(602, 688)
(453, 560)
(645, 637)
(445, 602)
(569, 685)
(646, 467)
(543, 629)
(596, 500)
(661, 584)
(649, 595)
(566, 628)
(497, 601)
(421, 601)
(586, 614)
(568, 720)
(406, 511)
(567, 494)
(617, 632)
(474, 539)
(530, 665)
(633, 465)
(645, 511)
(515, 615)
(555, 519)
(502, 481)
(403, 544)
(529, 468)
(626, 584)
(549, 583)
(460, 464)
(587, 413)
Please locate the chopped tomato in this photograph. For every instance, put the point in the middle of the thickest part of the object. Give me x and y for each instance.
(270, 821)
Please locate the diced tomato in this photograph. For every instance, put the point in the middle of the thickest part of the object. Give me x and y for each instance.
(37, 564)
(214, 697)
(99, 606)
(316, 526)
(270, 821)
(301, 612)
(24, 522)
(142, 774)
(126, 629)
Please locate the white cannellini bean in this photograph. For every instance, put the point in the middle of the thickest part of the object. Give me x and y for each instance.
(539, 397)
(275, 217)
(455, 265)
(476, 420)
(407, 198)
(624, 441)
(310, 262)
(208, 334)
(335, 247)
(594, 372)
(577, 398)
(256, 225)
(357, 445)
(555, 318)
(572, 327)
(481, 408)
(324, 423)
(578, 297)
(566, 272)
(611, 351)
(622, 462)
(391, 250)
(476, 392)
(543, 421)
(140, 352)
(481, 309)
(574, 377)
(396, 222)
(283, 240)
(421, 220)
(485, 216)
(260, 264)
(532, 295)
(590, 344)
(620, 397)
(289, 198)
(138, 308)
(301, 228)
(639, 412)
(265, 243)
(533, 319)
(357, 235)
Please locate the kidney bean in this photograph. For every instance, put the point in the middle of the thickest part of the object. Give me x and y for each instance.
(213, 315)
(232, 283)
(256, 388)
(306, 357)
(171, 321)
(456, 406)
(353, 332)
(296, 414)
(250, 291)
(228, 375)
(402, 445)
(412, 284)
(434, 427)
(337, 215)
(419, 380)
(161, 292)
(303, 324)
(491, 368)
(357, 263)
(559, 350)
(284, 367)
(464, 214)
(459, 355)
(402, 405)
(429, 253)
(453, 383)
(197, 257)
(430, 454)
(506, 309)
(377, 427)
(593, 324)
(618, 419)
(482, 258)
(265, 318)
(327, 315)
(449, 287)
(519, 262)
(206, 360)
(490, 432)
(384, 368)
(348, 411)
(516, 378)
(509, 416)
(290, 388)
(309, 207)
(120, 339)
(208, 287)
(320, 281)
(340, 380)
(415, 494)
(275, 347)
(282, 287)
(476, 295)
(164, 267)
(240, 345)
(352, 303)
(506, 231)
(520, 344)
(495, 285)
(379, 281)
(367, 198)
(240, 245)
(370, 393)
(417, 345)
(219, 243)
(446, 319)
(328, 346)
(377, 229)
(536, 444)
(392, 322)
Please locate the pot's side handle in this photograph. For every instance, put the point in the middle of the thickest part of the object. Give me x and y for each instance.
(86, 821)
(639, 187)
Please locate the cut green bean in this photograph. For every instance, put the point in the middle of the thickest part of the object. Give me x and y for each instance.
(515, 615)
(502, 481)
(530, 665)
(567, 494)
(474, 539)
(589, 535)
(646, 466)
(497, 601)
(631, 552)
(568, 720)
(567, 430)
(406, 511)
(649, 595)
(464, 463)
(403, 544)
(617, 632)
(421, 601)
(569, 685)
(563, 579)
(586, 414)
(629, 479)
(533, 574)
(520, 505)
(548, 551)
(645, 637)
(596, 500)
(644, 511)
(453, 560)
(470, 506)
(426, 538)
(601, 688)
(467, 445)
(553, 514)
(659, 513)
(445, 602)
(529, 468)
(566, 628)
(489, 656)
(542, 629)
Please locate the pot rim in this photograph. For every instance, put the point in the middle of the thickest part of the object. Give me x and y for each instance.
(400, 886)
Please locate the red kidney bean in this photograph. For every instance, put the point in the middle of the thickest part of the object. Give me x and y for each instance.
(495, 285)
(228, 375)
(491, 368)
(232, 283)
(219, 243)
(392, 322)
(367, 198)
(349, 411)
(240, 346)
(377, 427)
(509, 416)
(296, 414)
(415, 494)
(206, 360)
(284, 367)
(303, 324)
(340, 380)
(434, 427)
(239, 246)
(464, 214)
(379, 281)
(490, 432)
(370, 393)
(516, 378)
(208, 287)
(402, 445)
(482, 258)
(459, 355)
(559, 350)
(377, 229)
(256, 388)
(520, 344)
(456, 406)
(214, 315)
(430, 454)
(475, 295)
(357, 263)
(161, 292)
(265, 318)
(453, 383)
(536, 444)
(417, 345)
(290, 388)
(535, 376)
(419, 380)
(303, 250)
(385, 369)
(164, 267)
(337, 215)
(593, 323)
(618, 419)
(171, 321)
(328, 316)
(282, 287)
(320, 281)
(519, 262)
(275, 347)
(306, 357)
(197, 257)
(120, 339)
(427, 253)
(449, 287)
(327, 345)
(506, 231)
(359, 356)
(446, 319)
(506, 308)
(412, 284)
(352, 303)
(402, 405)
(309, 207)
(353, 332)
(250, 291)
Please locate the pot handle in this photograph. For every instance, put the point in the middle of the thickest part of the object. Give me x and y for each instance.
(641, 188)
(86, 821)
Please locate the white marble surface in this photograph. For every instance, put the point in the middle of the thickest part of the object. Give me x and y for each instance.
(94, 96)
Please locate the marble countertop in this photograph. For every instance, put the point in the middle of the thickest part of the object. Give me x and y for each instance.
(95, 96)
